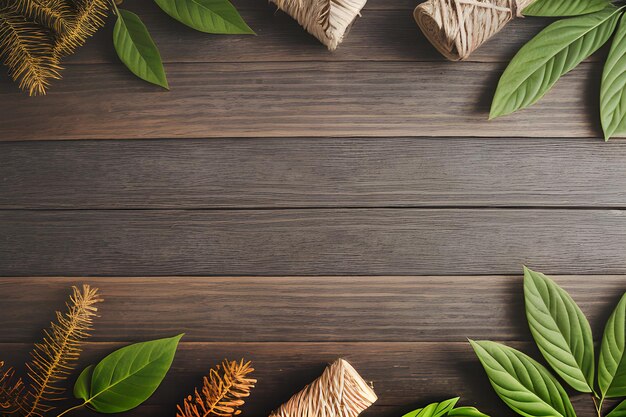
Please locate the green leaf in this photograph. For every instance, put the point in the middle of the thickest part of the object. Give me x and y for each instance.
(136, 49)
(619, 411)
(434, 409)
(82, 387)
(561, 8)
(612, 363)
(613, 88)
(210, 16)
(560, 329)
(521, 382)
(555, 51)
(466, 412)
(129, 376)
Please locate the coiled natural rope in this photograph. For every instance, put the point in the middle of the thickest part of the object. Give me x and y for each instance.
(458, 27)
(339, 392)
(327, 20)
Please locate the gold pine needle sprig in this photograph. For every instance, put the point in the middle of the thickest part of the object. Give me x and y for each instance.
(53, 14)
(88, 18)
(223, 392)
(54, 358)
(26, 48)
(10, 391)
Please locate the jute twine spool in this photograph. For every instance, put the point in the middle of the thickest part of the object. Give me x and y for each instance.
(339, 392)
(327, 20)
(458, 27)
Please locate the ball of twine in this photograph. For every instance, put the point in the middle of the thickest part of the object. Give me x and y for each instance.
(327, 20)
(458, 27)
(339, 392)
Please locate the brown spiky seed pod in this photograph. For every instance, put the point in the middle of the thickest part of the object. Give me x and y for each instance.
(223, 392)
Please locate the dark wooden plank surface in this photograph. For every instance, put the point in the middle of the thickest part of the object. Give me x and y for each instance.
(311, 242)
(346, 167)
(405, 375)
(311, 309)
(333, 172)
(311, 99)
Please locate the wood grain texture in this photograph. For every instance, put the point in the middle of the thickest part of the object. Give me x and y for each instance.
(333, 172)
(405, 375)
(301, 309)
(332, 99)
(311, 242)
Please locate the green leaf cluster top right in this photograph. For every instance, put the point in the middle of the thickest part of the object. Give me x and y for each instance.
(559, 48)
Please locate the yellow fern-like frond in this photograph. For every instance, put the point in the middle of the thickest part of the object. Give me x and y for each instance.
(223, 392)
(54, 358)
(88, 18)
(27, 50)
(10, 391)
(54, 14)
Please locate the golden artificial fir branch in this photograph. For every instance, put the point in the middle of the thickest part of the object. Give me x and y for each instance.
(10, 391)
(89, 17)
(36, 34)
(53, 359)
(223, 392)
(27, 50)
(53, 14)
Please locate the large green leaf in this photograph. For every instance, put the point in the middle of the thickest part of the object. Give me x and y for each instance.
(612, 363)
(210, 16)
(466, 412)
(613, 89)
(521, 382)
(560, 329)
(561, 8)
(553, 52)
(619, 411)
(129, 376)
(136, 49)
(434, 409)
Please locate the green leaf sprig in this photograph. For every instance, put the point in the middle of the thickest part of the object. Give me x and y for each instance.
(445, 409)
(559, 48)
(137, 50)
(126, 378)
(563, 335)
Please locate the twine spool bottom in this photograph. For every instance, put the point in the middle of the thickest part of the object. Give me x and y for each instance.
(328, 20)
(339, 392)
(456, 28)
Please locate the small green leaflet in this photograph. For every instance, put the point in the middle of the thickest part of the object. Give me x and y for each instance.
(562, 8)
(521, 382)
(434, 409)
(136, 49)
(619, 411)
(83, 383)
(612, 363)
(127, 377)
(613, 89)
(560, 330)
(553, 52)
(210, 16)
(466, 412)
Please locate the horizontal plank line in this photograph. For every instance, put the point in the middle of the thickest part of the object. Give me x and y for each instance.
(546, 207)
(300, 309)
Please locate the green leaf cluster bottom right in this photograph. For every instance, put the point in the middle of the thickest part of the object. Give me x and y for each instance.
(563, 336)
(559, 48)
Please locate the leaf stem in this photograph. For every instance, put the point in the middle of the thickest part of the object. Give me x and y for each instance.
(76, 407)
(597, 404)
